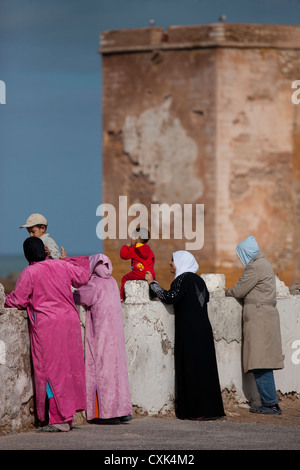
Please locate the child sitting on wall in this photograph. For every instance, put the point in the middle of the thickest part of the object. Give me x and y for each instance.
(36, 225)
(141, 255)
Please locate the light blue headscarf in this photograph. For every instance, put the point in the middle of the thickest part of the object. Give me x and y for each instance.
(247, 249)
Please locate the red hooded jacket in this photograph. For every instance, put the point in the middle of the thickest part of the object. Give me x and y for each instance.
(142, 257)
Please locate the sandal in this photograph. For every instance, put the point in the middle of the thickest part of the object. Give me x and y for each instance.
(59, 427)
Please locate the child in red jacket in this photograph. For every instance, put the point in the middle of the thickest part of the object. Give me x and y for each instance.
(141, 255)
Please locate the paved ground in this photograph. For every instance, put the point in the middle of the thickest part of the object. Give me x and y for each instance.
(240, 431)
(157, 434)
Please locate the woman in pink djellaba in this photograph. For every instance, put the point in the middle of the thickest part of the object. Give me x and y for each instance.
(44, 288)
(107, 385)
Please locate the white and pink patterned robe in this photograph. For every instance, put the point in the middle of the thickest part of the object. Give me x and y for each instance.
(105, 354)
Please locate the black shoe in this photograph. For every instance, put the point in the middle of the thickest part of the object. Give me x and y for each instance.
(106, 421)
(125, 419)
(208, 418)
(267, 410)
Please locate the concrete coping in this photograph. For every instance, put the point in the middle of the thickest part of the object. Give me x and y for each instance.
(137, 292)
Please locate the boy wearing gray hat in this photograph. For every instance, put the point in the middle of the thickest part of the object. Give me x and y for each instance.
(36, 225)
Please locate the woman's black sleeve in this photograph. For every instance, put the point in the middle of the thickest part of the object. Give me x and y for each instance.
(171, 296)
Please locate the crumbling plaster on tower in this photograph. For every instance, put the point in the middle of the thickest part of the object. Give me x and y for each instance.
(160, 148)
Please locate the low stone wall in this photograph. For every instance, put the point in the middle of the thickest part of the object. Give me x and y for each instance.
(16, 384)
(149, 333)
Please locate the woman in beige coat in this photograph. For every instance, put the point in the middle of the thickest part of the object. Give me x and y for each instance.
(262, 351)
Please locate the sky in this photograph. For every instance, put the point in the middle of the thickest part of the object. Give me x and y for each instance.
(50, 125)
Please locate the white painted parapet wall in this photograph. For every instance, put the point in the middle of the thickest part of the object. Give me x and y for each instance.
(149, 332)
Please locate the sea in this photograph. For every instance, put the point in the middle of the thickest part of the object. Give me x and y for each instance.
(10, 264)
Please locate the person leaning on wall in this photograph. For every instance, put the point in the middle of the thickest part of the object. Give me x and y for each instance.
(44, 289)
(262, 349)
(197, 392)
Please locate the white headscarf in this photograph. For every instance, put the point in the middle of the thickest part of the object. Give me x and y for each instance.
(184, 262)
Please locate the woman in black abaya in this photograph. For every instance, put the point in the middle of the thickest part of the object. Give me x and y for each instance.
(198, 394)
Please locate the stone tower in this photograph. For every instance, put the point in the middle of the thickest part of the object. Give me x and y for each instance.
(204, 115)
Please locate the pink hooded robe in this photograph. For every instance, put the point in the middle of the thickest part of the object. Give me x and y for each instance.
(44, 288)
(105, 354)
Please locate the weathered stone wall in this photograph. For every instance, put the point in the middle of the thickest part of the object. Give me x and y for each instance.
(203, 114)
(16, 384)
(149, 333)
(159, 121)
(255, 154)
